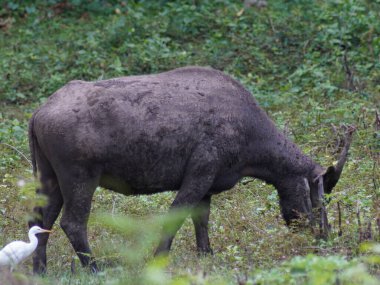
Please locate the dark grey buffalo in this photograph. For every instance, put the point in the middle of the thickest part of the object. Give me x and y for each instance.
(192, 130)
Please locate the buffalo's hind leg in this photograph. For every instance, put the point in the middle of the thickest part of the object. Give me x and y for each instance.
(200, 217)
(198, 180)
(78, 187)
(46, 215)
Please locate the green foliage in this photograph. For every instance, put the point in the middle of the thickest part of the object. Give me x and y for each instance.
(313, 65)
(316, 270)
(301, 49)
(12, 135)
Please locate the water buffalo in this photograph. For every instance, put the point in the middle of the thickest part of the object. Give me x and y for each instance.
(193, 130)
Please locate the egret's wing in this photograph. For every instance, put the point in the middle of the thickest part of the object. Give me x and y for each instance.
(13, 253)
(4, 259)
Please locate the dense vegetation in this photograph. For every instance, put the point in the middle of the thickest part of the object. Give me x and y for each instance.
(313, 65)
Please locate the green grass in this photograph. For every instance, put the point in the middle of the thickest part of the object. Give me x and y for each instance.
(295, 57)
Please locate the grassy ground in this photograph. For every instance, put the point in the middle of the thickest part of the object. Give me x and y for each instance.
(313, 65)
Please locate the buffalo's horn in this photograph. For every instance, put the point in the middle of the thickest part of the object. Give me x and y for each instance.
(323, 223)
(308, 197)
(321, 191)
(343, 156)
(333, 173)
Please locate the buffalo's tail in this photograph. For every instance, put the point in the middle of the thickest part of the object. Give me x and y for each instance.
(32, 144)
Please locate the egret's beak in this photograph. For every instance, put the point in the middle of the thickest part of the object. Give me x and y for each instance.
(47, 231)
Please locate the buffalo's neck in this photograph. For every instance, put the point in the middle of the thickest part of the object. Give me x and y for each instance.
(274, 157)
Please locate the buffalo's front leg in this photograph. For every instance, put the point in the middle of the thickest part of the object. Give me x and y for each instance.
(200, 217)
(198, 180)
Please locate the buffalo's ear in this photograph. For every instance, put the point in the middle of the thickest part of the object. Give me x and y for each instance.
(330, 179)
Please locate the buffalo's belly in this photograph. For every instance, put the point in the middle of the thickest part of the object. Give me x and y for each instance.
(120, 186)
(138, 177)
(116, 184)
(136, 186)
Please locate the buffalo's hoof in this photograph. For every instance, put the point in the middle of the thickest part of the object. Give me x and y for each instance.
(205, 251)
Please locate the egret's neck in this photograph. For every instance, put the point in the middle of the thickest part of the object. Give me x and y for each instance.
(33, 241)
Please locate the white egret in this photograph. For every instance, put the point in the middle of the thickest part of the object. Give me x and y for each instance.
(17, 251)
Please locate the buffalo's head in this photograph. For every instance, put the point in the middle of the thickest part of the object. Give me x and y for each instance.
(302, 197)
